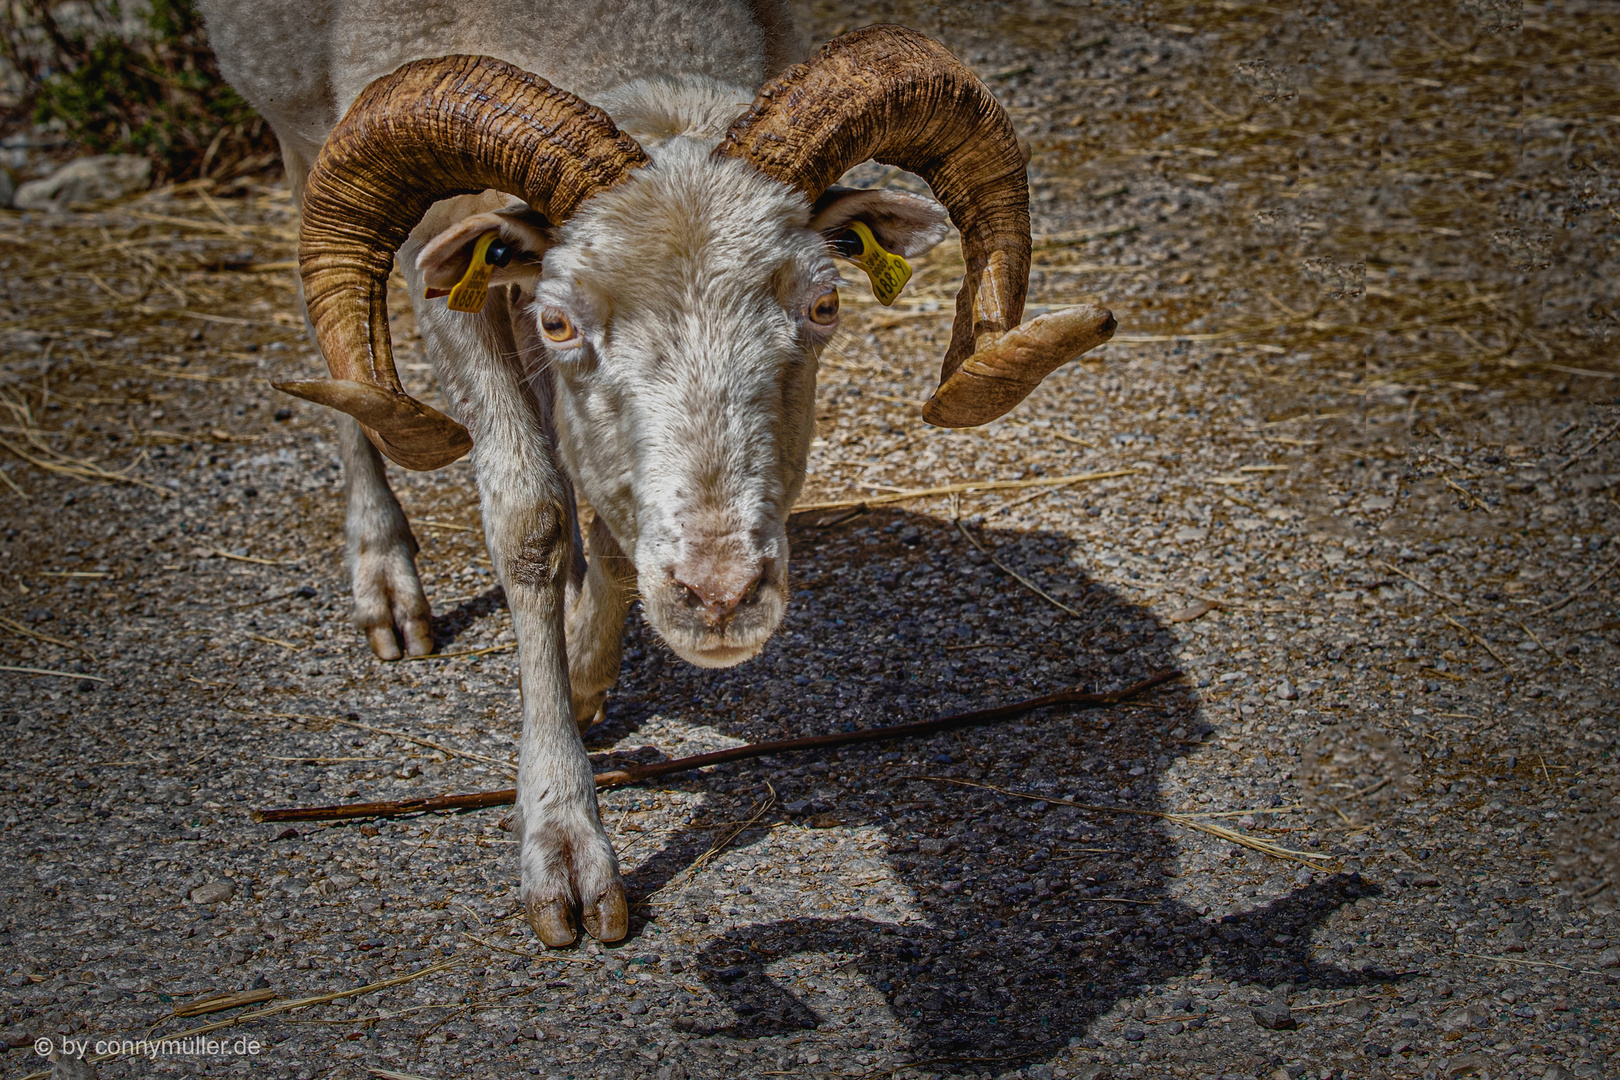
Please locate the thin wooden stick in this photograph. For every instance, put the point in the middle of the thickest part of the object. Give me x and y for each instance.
(637, 773)
(240, 1018)
(48, 671)
(968, 486)
(1605, 572)
(18, 628)
(402, 735)
(1265, 847)
(1477, 639)
(1015, 575)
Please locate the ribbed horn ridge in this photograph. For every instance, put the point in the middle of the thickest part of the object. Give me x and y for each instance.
(888, 93)
(452, 125)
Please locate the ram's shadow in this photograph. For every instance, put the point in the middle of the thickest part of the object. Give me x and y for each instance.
(1035, 920)
(450, 625)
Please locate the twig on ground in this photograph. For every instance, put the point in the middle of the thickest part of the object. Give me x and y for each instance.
(1447, 597)
(1477, 639)
(431, 524)
(12, 484)
(1557, 661)
(275, 641)
(406, 736)
(1599, 576)
(221, 1002)
(18, 628)
(1184, 820)
(81, 470)
(637, 773)
(697, 865)
(963, 488)
(1021, 500)
(48, 671)
(1528, 963)
(838, 519)
(470, 652)
(549, 955)
(1015, 575)
(285, 1006)
(1473, 500)
(1591, 446)
(251, 559)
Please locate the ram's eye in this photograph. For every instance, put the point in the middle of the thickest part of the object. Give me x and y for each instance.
(557, 326)
(823, 310)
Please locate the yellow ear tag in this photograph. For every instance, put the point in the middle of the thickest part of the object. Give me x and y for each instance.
(889, 272)
(472, 290)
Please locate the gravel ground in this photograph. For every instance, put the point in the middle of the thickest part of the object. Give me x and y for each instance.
(1362, 401)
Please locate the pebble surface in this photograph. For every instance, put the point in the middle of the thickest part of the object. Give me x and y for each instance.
(1367, 506)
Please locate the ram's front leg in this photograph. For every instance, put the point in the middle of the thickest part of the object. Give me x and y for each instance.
(380, 554)
(596, 624)
(568, 863)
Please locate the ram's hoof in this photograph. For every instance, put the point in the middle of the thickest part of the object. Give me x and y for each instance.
(609, 918)
(552, 922)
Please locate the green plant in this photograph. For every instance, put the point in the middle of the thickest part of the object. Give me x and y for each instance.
(145, 85)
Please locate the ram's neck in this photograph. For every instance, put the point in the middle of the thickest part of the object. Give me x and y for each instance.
(654, 111)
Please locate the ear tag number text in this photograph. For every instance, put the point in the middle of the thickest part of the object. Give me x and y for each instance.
(470, 293)
(889, 272)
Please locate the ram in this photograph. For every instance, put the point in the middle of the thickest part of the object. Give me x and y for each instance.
(650, 190)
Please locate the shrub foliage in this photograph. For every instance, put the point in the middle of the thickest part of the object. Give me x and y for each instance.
(118, 82)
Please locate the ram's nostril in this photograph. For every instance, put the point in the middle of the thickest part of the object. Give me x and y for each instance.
(719, 591)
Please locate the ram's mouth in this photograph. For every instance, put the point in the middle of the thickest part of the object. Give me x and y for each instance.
(723, 654)
(740, 638)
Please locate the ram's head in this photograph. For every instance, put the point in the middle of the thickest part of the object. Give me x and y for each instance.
(678, 302)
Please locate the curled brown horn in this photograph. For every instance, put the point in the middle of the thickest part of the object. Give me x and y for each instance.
(435, 128)
(888, 93)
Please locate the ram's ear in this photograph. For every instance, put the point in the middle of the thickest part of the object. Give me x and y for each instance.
(446, 257)
(904, 224)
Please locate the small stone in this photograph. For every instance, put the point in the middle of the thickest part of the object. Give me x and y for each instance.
(1475, 1064)
(1608, 958)
(1134, 1034)
(91, 179)
(1465, 1019)
(214, 892)
(1275, 1016)
(1039, 1072)
(1285, 691)
(1196, 609)
(72, 1069)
